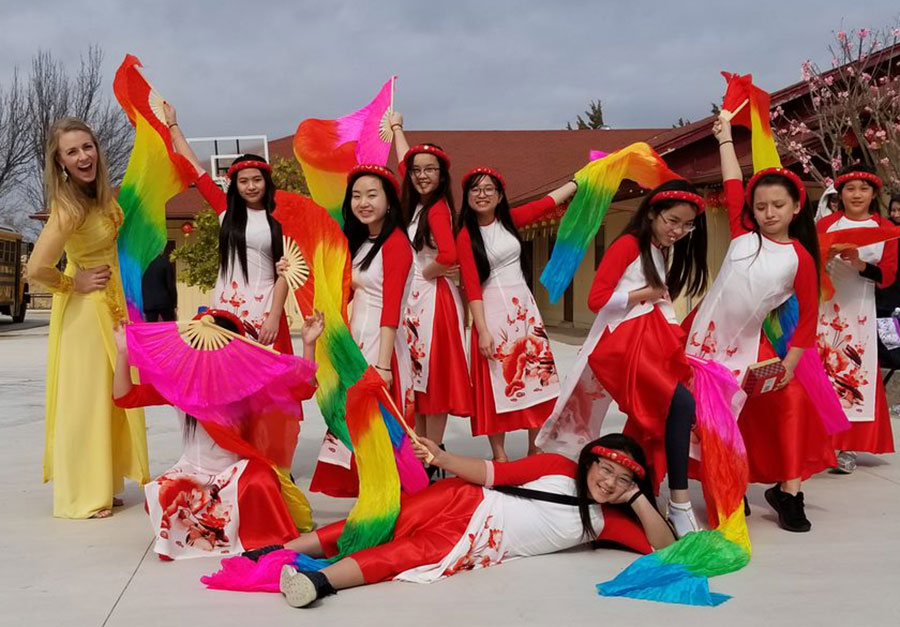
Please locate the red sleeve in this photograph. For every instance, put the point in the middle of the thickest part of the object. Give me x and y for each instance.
(143, 395)
(807, 291)
(528, 213)
(442, 230)
(212, 193)
(304, 391)
(467, 268)
(396, 258)
(825, 223)
(622, 529)
(615, 260)
(888, 263)
(734, 200)
(528, 469)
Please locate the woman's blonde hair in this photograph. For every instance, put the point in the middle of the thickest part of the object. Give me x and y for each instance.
(64, 196)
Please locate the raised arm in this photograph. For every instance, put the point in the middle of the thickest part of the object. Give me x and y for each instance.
(205, 185)
(125, 393)
(732, 178)
(179, 141)
(531, 212)
(401, 146)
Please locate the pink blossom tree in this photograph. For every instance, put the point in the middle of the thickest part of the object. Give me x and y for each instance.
(852, 112)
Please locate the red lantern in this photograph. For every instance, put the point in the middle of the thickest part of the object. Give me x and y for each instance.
(187, 228)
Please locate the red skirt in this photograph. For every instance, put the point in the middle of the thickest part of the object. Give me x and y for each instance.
(430, 524)
(449, 388)
(783, 433)
(875, 436)
(485, 419)
(341, 482)
(265, 518)
(640, 364)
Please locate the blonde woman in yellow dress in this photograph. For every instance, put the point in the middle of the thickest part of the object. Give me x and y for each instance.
(91, 445)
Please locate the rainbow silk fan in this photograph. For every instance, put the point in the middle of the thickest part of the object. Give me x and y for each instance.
(155, 174)
(343, 369)
(328, 149)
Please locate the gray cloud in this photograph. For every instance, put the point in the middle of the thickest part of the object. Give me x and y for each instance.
(242, 68)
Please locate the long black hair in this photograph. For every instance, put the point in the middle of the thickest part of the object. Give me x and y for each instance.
(875, 205)
(410, 199)
(232, 234)
(357, 233)
(469, 219)
(688, 268)
(802, 227)
(586, 459)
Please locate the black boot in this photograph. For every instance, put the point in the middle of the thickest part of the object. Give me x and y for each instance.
(255, 554)
(301, 588)
(791, 513)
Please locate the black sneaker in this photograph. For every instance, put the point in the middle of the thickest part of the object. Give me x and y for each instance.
(255, 554)
(791, 514)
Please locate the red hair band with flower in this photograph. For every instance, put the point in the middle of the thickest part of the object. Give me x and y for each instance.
(620, 458)
(428, 150)
(483, 170)
(858, 175)
(674, 194)
(243, 165)
(376, 170)
(793, 178)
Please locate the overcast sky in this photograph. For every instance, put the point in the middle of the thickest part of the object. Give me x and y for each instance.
(261, 67)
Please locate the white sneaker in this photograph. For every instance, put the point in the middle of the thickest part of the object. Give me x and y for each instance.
(846, 463)
(297, 589)
(681, 517)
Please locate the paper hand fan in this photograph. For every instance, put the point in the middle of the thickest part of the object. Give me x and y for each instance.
(208, 371)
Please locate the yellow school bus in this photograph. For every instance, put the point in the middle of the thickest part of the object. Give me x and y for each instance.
(14, 295)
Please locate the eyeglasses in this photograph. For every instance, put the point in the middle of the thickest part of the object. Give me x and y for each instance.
(429, 171)
(675, 223)
(607, 472)
(487, 190)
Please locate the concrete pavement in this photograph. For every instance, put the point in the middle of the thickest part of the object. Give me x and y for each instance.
(102, 572)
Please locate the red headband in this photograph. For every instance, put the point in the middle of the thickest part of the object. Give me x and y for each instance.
(483, 170)
(674, 194)
(429, 150)
(242, 327)
(375, 170)
(793, 178)
(858, 175)
(243, 165)
(620, 458)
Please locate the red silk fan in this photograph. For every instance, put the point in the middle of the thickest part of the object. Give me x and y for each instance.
(312, 238)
